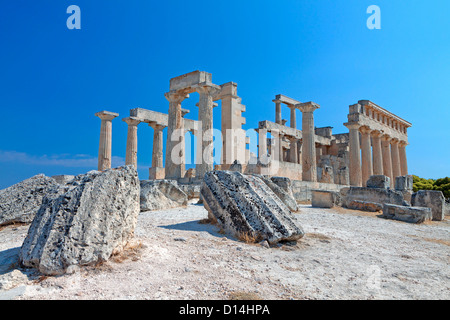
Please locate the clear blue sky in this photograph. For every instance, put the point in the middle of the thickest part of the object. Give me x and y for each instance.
(53, 80)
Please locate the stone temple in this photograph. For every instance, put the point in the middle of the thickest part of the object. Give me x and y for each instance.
(312, 158)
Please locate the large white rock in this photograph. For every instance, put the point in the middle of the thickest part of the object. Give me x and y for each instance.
(244, 204)
(161, 194)
(20, 202)
(93, 219)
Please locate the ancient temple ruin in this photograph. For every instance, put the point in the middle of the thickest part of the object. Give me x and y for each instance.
(311, 157)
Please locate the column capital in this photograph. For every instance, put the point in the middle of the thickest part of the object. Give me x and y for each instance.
(386, 137)
(352, 125)
(106, 115)
(402, 143)
(376, 133)
(176, 96)
(132, 121)
(211, 90)
(365, 130)
(156, 126)
(307, 106)
(394, 141)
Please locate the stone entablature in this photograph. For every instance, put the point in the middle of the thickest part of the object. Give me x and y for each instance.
(369, 114)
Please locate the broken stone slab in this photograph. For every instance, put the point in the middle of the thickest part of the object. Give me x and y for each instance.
(375, 195)
(245, 205)
(20, 202)
(364, 206)
(378, 181)
(92, 220)
(407, 214)
(161, 194)
(432, 199)
(285, 196)
(325, 199)
(192, 190)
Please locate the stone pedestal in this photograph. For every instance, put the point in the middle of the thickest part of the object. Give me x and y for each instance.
(104, 149)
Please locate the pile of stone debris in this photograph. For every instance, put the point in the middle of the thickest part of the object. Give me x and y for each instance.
(85, 219)
(399, 203)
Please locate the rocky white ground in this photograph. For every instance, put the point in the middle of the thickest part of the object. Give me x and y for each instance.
(345, 254)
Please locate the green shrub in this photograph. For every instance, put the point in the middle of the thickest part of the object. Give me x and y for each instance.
(441, 184)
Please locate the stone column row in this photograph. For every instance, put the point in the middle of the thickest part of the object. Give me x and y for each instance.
(376, 153)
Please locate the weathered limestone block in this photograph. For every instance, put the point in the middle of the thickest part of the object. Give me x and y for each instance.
(375, 195)
(325, 199)
(244, 204)
(379, 181)
(92, 220)
(364, 205)
(286, 196)
(192, 190)
(407, 214)
(343, 176)
(447, 207)
(326, 174)
(431, 199)
(20, 202)
(161, 194)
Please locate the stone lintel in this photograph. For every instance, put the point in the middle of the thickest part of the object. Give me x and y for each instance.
(291, 132)
(190, 80)
(286, 100)
(385, 112)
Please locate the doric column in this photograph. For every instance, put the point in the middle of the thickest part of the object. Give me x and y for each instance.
(104, 149)
(366, 155)
(309, 166)
(262, 142)
(395, 159)
(157, 170)
(205, 115)
(157, 154)
(354, 154)
(377, 153)
(293, 152)
(175, 130)
(387, 159)
(403, 161)
(132, 142)
(277, 111)
(293, 121)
